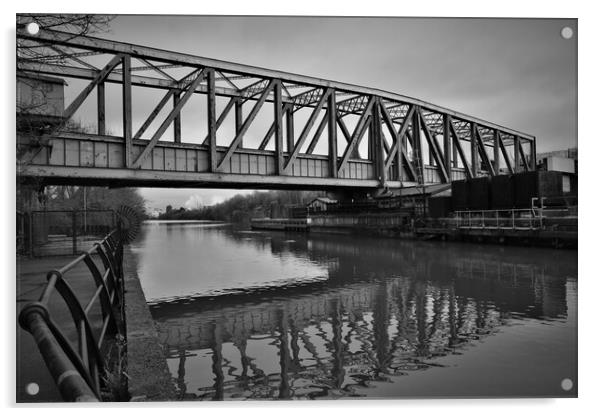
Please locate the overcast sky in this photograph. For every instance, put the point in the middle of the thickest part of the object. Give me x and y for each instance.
(520, 73)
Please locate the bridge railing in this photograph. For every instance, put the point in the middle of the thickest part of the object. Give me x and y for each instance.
(78, 362)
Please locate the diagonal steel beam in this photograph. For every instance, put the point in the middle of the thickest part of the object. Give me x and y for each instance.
(483, 152)
(157, 69)
(310, 123)
(386, 146)
(360, 129)
(245, 126)
(268, 136)
(339, 119)
(505, 154)
(288, 93)
(222, 117)
(77, 102)
(185, 81)
(154, 114)
(522, 154)
(170, 117)
(398, 146)
(343, 127)
(456, 140)
(434, 148)
(318, 134)
(228, 80)
(67, 55)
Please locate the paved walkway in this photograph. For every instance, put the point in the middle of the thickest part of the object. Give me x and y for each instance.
(31, 279)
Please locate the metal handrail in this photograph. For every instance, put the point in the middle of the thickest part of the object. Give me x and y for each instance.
(509, 219)
(77, 372)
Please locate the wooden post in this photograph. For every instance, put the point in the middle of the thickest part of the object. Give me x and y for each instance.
(447, 146)
(332, 135)
(278, 127)
(127, 108)
(177, 123)
(100, 99)
(211, 124)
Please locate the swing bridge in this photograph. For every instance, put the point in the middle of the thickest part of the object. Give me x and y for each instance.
(255, 127)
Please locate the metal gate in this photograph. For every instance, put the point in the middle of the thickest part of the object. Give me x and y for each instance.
(63, 232)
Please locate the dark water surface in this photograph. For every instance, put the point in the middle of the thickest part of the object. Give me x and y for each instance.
(255, 315)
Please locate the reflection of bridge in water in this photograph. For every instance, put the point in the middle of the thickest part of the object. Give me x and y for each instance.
(331, 337)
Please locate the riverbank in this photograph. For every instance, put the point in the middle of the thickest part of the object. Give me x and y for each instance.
(397, 225)
(148, 376)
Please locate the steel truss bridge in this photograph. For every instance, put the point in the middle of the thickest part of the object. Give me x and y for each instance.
(320, 134)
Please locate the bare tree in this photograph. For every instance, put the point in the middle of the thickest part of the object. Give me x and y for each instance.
(76, 24)
(31, 51)
(32, 103)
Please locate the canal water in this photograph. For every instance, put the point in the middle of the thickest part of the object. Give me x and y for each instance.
(266, 315)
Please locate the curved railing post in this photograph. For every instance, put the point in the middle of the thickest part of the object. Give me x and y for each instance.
(77, 369)
(69, 381)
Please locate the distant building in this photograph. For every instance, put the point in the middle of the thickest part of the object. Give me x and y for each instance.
(564, 161)
(40, 101)
(320, 204)
(559, 160)
(417, 198)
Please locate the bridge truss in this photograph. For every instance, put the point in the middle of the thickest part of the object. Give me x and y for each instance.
(322, 134)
